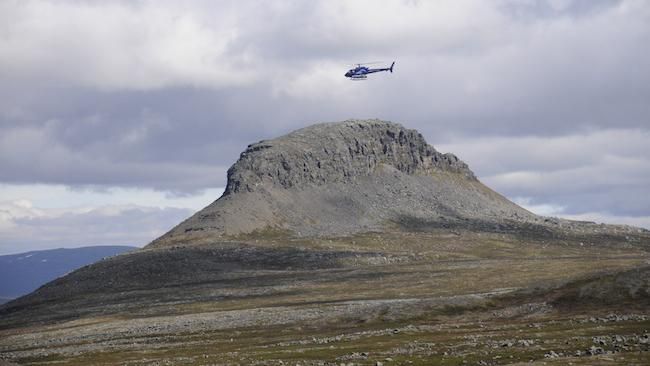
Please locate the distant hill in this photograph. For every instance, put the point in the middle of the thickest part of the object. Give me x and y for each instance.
(25, 272)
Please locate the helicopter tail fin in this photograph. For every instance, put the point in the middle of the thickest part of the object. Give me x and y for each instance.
(391, 66)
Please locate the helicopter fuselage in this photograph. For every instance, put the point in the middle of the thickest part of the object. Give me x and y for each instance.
(361, 72)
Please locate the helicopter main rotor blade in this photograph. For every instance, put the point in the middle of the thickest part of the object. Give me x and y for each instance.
(367, 63)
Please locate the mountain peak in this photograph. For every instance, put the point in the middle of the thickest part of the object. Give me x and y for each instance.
(337, 152)
(343, 178)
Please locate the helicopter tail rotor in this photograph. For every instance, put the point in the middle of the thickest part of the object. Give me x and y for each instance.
(391, 67)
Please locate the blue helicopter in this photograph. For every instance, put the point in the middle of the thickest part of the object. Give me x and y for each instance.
(361, 72)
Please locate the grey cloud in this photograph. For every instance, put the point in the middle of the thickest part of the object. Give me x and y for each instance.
(534, 9)
(604, 171)
(498, 155)
(32, 155)
(465, 70)
(579, 191)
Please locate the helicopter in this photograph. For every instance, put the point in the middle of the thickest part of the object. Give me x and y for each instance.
(361, 71)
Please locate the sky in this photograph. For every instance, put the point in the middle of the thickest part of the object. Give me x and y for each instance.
(119, 119)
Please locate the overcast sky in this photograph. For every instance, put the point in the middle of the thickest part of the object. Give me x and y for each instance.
(118, 119)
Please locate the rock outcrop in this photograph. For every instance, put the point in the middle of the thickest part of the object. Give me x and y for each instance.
(618, 288)
(337, 153)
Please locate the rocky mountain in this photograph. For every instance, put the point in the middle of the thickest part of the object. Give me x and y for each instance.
(356, 176)
(338, 179)
(338, 227)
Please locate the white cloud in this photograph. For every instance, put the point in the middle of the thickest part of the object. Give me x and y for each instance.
(527, 159)
(599, 217)
(603, 174)
(9, 211)
(51, 196)
(544, 209)
(25, 227)
(31, 154)
(155, 44)
(313, 83)
(119, 45)
(608, 172)
(560, 4)
(554, 210)
(48, 216)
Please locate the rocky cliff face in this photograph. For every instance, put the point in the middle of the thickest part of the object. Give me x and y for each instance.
(338, 153)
